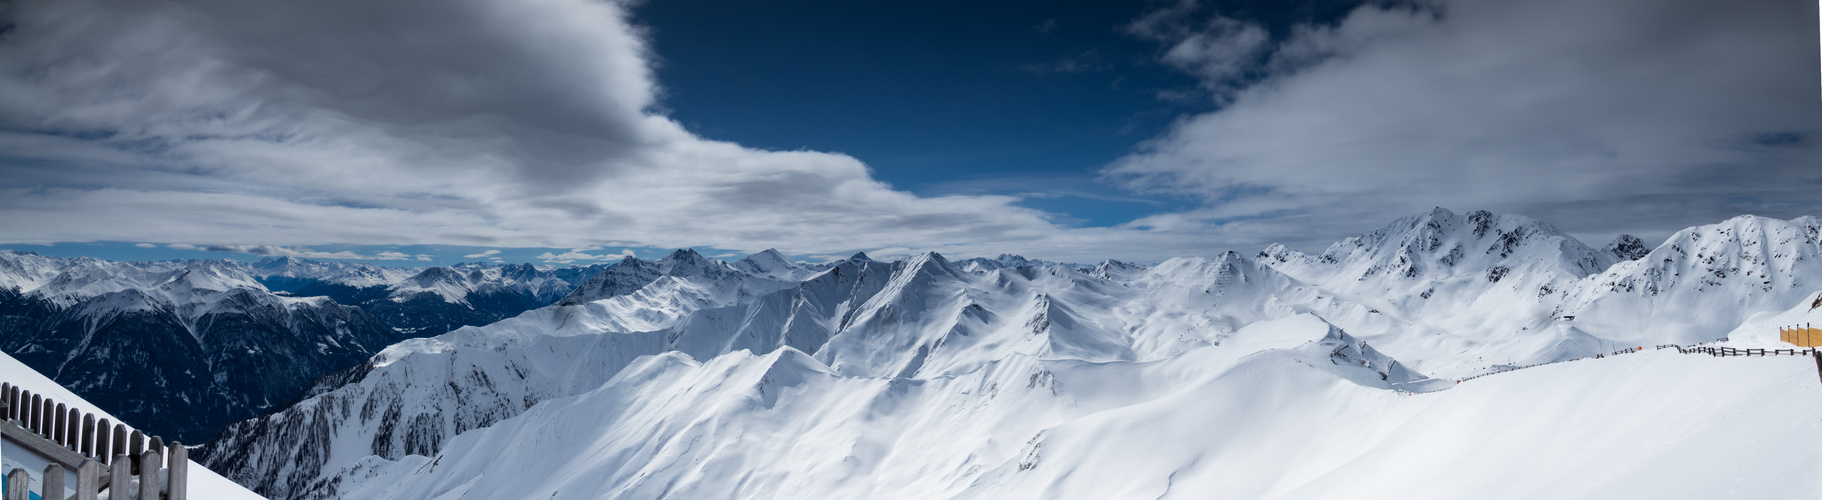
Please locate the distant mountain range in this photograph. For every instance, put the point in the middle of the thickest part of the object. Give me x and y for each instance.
(691, 377)
(184, 347)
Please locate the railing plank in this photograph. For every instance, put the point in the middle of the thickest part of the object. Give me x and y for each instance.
(32, 413)
(52, 482)
(120, 478)
(18, 484)
(88, 480)
(120, 441)
(180, 472)
(136, 446)
(59, 425)
(148, 475)
(88, 436)
(102, 452)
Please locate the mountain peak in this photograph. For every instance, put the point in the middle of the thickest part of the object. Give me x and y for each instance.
(860, 257)
(773, 264)
(1627, 247)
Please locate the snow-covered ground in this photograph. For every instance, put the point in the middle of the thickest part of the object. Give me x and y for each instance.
(204, 483)
(1279, 375)
(1268, 416)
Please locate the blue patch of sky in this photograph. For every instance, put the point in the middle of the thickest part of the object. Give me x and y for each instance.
(936, 95)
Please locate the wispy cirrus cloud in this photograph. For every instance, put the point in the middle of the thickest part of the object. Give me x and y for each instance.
(304, 253)
(582, 255)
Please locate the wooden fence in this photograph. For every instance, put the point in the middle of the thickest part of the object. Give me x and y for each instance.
(1802, 336)
(1508, 368)
(1729, 351)
(137, 467)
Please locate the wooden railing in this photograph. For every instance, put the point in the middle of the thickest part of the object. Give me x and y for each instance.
(1729, 351)
(1509, 368)
(78, 441)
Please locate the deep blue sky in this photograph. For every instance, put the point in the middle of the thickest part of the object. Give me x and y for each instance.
(943, 97)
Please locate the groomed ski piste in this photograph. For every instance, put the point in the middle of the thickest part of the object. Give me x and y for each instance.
(204, 483)
(1285, 376)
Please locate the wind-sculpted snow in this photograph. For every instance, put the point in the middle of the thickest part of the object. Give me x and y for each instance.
(1277, 413)
(415, 395)
(922, 378)
(917, 319)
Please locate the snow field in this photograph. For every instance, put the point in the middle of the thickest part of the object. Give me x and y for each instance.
(1272, 419)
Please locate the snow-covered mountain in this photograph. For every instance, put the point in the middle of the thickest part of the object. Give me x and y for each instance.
(1280, 374)
(918, 319)
(426, 301)
(773, 264)
(1004, 261)
(1703, 280)
(183, 347)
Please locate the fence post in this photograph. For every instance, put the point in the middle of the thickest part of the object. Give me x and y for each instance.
(120, 440)
(75, 433)
(18, 485)
(88, 436)
(53, 482)
(46, 421)
(179, 487)
(135, 448)
(1818, 355)
(148, 475)
(58, 426)
(88, 480)
(102, 429)
(120, 477)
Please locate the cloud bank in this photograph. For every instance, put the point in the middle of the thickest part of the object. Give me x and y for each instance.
(464, 122)
(1602, 117)
(258, 124)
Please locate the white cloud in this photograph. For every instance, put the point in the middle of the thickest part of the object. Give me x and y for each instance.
(1218, 49)
(146, 245)
(182, 246)
(581, 254)
(1601, 117)
(306, 253)
(529, 124)
(482, 255)
(463, 122)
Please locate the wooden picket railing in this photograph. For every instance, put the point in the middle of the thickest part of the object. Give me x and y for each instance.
(1801, 336)
(91, 447)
